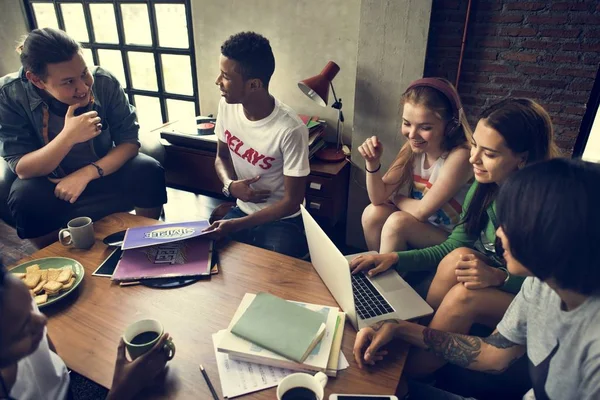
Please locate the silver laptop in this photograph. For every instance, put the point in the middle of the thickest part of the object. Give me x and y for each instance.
(365, 300)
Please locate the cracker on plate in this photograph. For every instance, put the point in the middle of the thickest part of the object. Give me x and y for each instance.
(32, 279)
(65, 275)
(44, 273)
(32, 268)
(52, 287)
(69, 284)
(53, 273)
(41, 299)
(39, 286)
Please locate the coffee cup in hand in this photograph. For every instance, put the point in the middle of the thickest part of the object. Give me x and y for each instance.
(141, 336)
(79, 233)
(301, 386)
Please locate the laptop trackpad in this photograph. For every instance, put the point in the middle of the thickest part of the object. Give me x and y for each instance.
(388, 282)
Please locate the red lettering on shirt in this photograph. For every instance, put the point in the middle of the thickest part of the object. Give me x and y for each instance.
(266, 164)
(257, 157)
(250, 155)
(232, 143)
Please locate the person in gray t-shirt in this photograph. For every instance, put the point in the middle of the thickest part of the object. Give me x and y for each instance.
(548, 215)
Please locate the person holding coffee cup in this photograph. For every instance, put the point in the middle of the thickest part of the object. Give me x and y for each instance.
(30, 367)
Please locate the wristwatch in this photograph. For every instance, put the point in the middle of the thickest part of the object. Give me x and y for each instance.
(226, 186)
(100, 170)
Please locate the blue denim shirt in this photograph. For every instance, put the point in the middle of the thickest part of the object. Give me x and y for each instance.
(24, 116)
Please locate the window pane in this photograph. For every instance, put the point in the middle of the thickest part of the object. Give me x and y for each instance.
(172, 25)
(112, 61)
(75, 22)
(88, 57)
(177, 74)
(45, 15)
(104, 22)
(180, 110)
(143, 72)
(136, 24)
(148, 112)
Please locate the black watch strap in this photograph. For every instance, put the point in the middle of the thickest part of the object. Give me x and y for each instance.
(100, 170)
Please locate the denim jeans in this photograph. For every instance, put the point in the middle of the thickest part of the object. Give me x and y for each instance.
(37, 211)
(285, 236)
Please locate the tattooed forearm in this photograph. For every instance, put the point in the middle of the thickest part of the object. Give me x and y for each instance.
(461, 350)
(377, 326)
(501, 370)
(498, 341)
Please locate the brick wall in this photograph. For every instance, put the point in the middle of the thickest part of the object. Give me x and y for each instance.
(547, 51)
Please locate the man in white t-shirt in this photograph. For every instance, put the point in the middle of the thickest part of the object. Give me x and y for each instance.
(262, 152)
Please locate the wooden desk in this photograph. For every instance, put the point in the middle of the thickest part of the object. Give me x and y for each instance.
(86, 326)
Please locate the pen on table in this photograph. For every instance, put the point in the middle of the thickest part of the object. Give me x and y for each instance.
(208, 382)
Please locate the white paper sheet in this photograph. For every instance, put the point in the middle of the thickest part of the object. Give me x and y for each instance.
(241, 377)
(342, 362)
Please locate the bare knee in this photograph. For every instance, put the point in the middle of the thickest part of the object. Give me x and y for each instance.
(400, 221)
(446, 270)
(460, 300)
(375, 216)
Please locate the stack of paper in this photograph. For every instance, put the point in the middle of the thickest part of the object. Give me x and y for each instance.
(241, 377)
(316, 133)
(323, 357)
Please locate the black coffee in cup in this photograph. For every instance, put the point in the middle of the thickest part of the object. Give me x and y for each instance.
(299, 393)
(144, 337)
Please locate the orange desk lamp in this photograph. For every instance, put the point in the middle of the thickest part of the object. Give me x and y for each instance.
(317, 88)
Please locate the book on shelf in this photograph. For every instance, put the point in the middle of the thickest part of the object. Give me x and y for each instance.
(318, 146)
(285, 328)
(242, 349)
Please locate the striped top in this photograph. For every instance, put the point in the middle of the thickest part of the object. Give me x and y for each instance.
(423, 179)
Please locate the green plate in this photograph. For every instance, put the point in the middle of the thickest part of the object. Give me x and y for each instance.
(55, 262)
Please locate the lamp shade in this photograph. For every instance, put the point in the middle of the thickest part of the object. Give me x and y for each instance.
(317, 87)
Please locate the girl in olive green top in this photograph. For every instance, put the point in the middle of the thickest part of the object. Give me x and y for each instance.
(470, 283)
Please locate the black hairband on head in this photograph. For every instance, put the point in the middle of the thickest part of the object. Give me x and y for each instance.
(443, 87)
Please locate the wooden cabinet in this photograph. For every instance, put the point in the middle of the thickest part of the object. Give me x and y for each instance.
(193, 170)
(327, 191)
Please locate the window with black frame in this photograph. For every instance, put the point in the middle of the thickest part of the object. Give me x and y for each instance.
(147, 44)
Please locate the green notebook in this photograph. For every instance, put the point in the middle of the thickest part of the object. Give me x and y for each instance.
(284, 328)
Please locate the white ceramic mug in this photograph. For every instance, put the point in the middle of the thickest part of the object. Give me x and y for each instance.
(316, 383)
(79, 233)
(141, 326)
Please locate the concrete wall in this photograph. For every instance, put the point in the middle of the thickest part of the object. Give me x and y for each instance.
(12, 21)
(391, 53)
(304, 35)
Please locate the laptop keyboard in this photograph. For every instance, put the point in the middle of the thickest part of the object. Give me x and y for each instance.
(369, 303)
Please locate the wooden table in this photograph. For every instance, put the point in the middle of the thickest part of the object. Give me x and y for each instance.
(86, 326)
